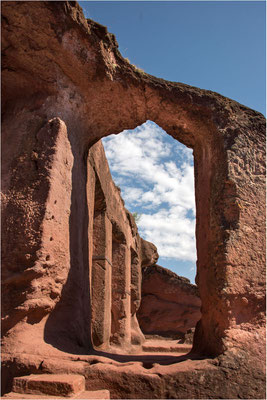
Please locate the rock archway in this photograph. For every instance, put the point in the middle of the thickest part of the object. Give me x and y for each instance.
(65, 87)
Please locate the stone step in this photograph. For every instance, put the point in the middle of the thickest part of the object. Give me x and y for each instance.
(63, 385)
(92, 394)
(160, 346)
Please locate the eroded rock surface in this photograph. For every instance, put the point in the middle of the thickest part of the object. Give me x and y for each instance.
(65, 86)
(170, 304)
(149, 253)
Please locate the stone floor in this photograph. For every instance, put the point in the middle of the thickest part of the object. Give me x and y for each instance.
(59, 386)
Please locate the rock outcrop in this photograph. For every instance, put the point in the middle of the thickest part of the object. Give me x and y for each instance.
(65, 85)
(170, 304)
(149, 253)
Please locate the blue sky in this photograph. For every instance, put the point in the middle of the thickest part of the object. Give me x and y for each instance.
(215, 45)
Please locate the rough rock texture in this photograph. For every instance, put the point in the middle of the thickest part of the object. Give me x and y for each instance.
(170, 304)
(149, 253)
(57, 385)
(64, 87)
(54, 387)
(151, 377)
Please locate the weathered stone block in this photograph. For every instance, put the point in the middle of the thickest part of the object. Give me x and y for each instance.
(56, 385)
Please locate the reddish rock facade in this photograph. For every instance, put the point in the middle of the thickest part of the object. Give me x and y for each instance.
(64, 87)
(170, 304)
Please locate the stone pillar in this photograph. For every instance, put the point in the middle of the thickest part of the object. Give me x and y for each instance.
(91, 182)
(101, 280)
(137, 336)
(121, 296)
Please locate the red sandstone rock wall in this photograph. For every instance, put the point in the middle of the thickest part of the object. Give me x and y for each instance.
(170, 304)
(57, 66)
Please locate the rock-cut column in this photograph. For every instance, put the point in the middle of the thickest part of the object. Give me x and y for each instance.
(101, 280)
(137, 336)
(121, 295)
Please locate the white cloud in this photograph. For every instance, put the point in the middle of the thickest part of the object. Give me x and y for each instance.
(172, 232)
(156, 173)
(132, 195)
